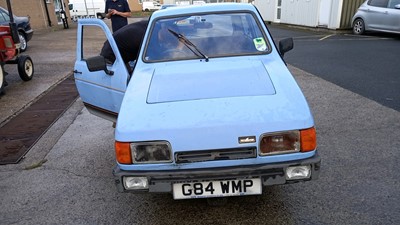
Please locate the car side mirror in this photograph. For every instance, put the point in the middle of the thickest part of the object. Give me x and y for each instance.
(285, 45)
(98, 63)
(397, 6)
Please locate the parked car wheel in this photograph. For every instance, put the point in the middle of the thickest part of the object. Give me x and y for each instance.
(25, 67)
(358, 26)
(2, 79)
(23, 42)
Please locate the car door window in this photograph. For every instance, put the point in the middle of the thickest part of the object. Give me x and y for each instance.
(392, 3)
(93, 39)
(378, 3)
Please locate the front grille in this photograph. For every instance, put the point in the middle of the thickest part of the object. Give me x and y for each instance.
(218, 154)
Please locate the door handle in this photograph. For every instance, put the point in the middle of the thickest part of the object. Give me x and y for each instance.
(76, 71)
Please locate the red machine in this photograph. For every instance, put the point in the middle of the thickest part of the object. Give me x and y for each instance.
(10, 52)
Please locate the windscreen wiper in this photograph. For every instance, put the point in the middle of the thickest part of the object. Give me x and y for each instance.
(189, 44)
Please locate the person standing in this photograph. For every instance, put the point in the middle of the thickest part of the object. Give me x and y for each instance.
(117, 11)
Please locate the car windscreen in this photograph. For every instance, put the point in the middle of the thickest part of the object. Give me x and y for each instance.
(205, 36)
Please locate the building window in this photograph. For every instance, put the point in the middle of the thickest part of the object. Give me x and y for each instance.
(279, 10)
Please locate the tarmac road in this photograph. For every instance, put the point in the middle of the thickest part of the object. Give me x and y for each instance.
(53, 55)
(364, 64)
(66, 177)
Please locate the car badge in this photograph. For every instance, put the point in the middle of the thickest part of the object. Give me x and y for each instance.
(247, 139)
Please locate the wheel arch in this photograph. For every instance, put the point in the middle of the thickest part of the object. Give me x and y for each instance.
(22, 31)
(356, 18)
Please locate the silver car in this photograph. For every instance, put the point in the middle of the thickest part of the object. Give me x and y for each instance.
(377, 15)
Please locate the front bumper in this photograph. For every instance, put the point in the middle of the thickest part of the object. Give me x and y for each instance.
(270, 174)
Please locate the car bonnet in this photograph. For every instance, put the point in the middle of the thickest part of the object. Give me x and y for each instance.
(194, 81)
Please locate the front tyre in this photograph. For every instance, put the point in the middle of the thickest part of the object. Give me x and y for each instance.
(25, 67)
(358, 26)
(22, 41)
(2, 80)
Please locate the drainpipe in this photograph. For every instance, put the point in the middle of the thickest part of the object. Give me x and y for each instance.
(87, 12)
(47, 13)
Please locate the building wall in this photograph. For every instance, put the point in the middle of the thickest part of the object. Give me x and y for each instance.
(332, 14)
(300, 12)
(36, 10)
(348, 10)
(336, 10)
(324, 13)
(267, 9)
(135, 5)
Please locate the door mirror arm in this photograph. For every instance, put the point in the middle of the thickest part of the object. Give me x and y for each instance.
(109, 72)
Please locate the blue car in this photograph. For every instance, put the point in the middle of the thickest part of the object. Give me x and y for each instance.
(210, 109)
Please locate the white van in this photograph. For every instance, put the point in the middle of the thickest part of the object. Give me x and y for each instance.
(199, 2)
(150, 6)
(86, 9)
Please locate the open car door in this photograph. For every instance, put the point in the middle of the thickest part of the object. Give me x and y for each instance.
(101, 86)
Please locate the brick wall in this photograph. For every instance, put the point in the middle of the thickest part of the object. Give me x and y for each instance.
(36, 10)
(134, 5)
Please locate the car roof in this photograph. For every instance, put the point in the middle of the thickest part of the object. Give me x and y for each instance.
(210, 7)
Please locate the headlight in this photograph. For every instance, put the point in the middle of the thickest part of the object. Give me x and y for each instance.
(283, 142)
(288, 142)
(151, 152)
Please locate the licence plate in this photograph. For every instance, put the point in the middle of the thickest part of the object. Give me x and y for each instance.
(220, 188)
